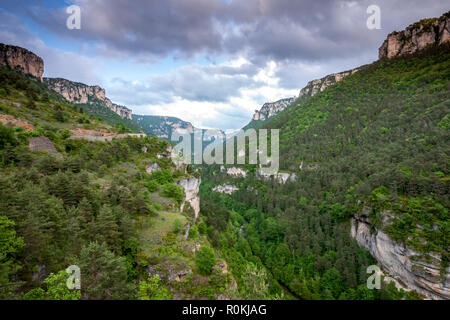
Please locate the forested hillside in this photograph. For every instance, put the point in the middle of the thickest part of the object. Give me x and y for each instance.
(375, 143)
(110, 208)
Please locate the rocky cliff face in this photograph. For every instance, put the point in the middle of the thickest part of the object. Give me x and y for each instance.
(272, 108)
(191, 188)
(80, 93)
(22, 59)
(416, 37)
(401, 262)
(315, 86)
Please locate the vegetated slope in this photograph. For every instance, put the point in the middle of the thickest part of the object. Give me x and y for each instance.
(380, 139)
(92, 204)
(381, 135)
(108, 116)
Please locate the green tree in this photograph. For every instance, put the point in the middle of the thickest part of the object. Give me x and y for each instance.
(57, 287)
(205, 260)
(152, 289)
(103, 274)
(173, 191)
(7, 137)
(255, 283)
(10, 246)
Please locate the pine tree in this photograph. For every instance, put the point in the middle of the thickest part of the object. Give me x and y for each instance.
(103, 274)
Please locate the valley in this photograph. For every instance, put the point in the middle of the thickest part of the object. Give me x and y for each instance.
(363, 181)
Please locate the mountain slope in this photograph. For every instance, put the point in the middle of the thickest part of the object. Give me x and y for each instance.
(113, 207)
(381, 137)
(371, 149)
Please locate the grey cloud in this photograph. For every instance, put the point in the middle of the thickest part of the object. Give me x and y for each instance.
(192, 82)
(260, 29)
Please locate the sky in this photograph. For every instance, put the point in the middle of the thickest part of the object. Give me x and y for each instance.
(209, 62)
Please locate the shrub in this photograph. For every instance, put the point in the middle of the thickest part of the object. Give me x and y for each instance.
(205, 260)
(173, 191)
(7, 136)
(163, 176)
(151, 185)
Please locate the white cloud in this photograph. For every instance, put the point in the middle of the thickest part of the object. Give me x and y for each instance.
(220, 96)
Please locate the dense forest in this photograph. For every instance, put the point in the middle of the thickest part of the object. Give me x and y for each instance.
(376, 142)
(94, 205)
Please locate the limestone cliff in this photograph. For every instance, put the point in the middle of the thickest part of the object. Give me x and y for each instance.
(21, 59)
(270, 109)
(191, 188)
(415, 37)
(80, 93)
(315, 86)
(401, 262)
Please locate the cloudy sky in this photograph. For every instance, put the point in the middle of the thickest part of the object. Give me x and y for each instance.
(210, 62)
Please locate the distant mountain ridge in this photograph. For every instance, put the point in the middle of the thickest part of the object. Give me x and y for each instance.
(163, 127)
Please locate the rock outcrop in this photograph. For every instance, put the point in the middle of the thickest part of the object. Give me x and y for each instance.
(270, 109)
(153, 167)
(401, 262)
(315, 86)
(415, 37)
(80, 93)
(280, 177)
(225, 188)
(21, 59)
(11, 121)
(191, 188)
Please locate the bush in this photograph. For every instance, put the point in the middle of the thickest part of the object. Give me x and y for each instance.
(202, 228)
(152, 186)
(173, 191)
(7, 136)
(163, 176)
(205, 260)
(193, 232)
